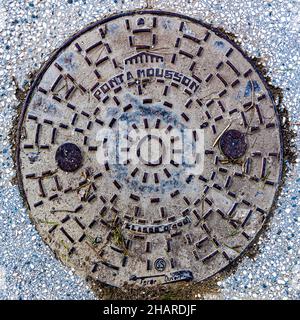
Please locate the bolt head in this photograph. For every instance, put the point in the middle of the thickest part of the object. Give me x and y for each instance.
(233, 144)
(68, 157)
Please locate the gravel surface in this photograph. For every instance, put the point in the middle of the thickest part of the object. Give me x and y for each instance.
(31, 30)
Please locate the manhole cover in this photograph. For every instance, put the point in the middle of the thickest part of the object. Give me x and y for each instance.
(149, 150)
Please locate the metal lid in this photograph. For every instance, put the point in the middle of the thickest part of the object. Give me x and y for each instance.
(203, 137)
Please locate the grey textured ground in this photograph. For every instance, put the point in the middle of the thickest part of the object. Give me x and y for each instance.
(31, 30)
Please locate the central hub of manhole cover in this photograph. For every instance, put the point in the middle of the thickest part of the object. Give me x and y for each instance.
(149, 150)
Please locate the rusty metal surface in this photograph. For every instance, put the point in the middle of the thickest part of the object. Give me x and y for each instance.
(149, 223)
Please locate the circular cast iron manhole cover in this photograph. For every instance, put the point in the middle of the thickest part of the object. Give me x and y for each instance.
(156, 219)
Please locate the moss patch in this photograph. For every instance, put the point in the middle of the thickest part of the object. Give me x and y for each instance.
(176, 291)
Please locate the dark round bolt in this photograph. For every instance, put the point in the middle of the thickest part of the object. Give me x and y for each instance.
(68, 157)
(233, 144)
